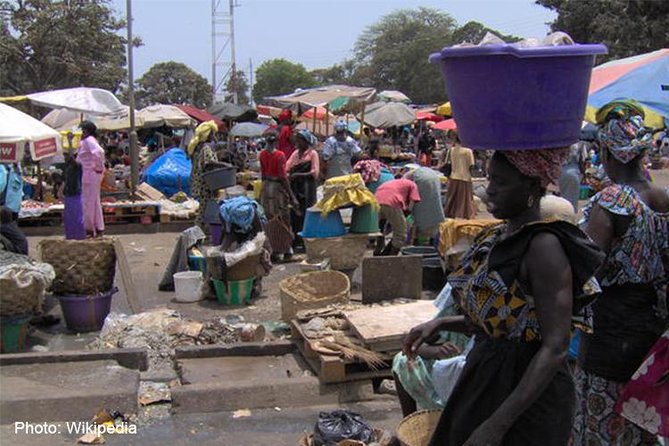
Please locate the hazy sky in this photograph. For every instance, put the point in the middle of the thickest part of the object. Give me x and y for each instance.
(315, 33)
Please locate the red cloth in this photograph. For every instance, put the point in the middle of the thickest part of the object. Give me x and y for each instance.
(645, 399)
(272, 164)
(285, 141)
(397, 193)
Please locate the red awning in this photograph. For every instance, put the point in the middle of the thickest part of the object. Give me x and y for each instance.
(201, 115)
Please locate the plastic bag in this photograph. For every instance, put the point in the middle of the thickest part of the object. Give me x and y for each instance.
(333, 427)
(170, 172)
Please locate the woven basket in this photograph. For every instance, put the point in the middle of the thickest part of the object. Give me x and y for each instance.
(83, 267)
(313, 290)
(417, 428)
(345, 252)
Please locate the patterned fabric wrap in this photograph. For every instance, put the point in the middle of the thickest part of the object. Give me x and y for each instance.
(543, 164)
(595, 423)
(369, 169)
(636, 257)
(625, 139)
(500, 307)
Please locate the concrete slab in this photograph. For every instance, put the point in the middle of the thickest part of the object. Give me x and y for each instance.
(246, 382)
(70, 391)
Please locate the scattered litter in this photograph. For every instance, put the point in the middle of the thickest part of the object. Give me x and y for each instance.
(40, 348)
(159, 248)
(241, 413)
(153, 392)
(139, 250)
(160, 331)
(387, 387)
(277, 408)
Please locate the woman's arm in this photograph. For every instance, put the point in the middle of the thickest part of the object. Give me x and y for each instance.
(420, 334)
(550, 278)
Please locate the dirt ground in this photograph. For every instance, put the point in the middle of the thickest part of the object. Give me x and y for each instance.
(148, 255)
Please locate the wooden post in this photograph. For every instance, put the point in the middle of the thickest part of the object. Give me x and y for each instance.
(362, 119)
(314, 119)
(327, 119)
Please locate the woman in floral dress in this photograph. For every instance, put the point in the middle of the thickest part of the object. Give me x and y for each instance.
(629, 221)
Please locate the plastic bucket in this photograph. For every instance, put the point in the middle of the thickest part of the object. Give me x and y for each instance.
(220, 178)
(197, 263)
(187, 286)
(212, 212)
(364, 220)
(237, 292)
(86, 313)
(13, 332)
(423, 251)
(506, 98)
(215, 233)
(434, 278)
(315, 226)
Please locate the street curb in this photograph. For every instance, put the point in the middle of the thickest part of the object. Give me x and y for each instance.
(131, 358)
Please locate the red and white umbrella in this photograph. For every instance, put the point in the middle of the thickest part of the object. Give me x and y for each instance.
(17, 129)
(445, 125)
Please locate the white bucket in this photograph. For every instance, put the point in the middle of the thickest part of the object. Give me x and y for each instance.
(187, 286)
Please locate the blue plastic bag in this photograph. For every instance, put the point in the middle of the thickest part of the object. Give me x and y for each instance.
(170, 172)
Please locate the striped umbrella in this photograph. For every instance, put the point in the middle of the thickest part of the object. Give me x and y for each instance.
(643, 78)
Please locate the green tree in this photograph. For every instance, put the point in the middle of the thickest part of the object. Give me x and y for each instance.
(393, 53)
(627, 27)
(342, 73)
(279, 76)
(58, 44)
(240, 85)
(173, 83)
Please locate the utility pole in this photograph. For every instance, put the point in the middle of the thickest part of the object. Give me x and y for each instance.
(134, 150)
(223, 69)
(251, 81)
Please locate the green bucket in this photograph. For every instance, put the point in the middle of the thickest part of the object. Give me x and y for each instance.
(13, 332)
(238, 292)
(364, 220)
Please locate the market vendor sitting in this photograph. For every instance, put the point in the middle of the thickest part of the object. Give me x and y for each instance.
(12, 239)
(427, 381)
(243, 220)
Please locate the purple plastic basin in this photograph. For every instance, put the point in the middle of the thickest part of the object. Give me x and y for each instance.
(86, 313)
(506, 98)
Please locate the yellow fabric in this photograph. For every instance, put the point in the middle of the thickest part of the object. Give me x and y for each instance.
(13, 98)
(445, 109)
(201, 134)
(452, 229)
(343, 191)
(75, 140)
(651, 119)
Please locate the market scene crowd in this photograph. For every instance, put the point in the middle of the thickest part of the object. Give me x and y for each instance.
(541, 247)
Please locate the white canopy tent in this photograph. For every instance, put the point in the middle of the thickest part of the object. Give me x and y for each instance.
(81, 99)
(17, 129)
